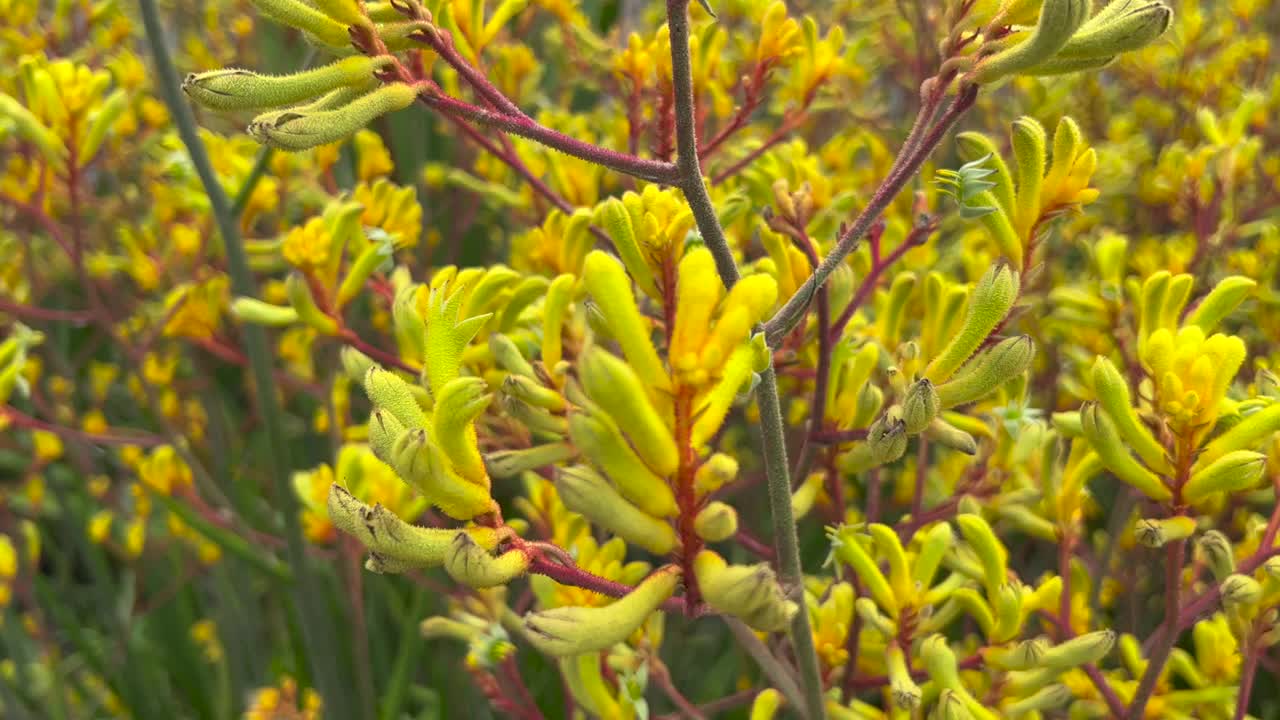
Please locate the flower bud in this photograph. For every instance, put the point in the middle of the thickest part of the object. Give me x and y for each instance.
(252, 310)
(384, 430)
(419, 462)
(443, 627)
(304, 304)
(870, 614)
(1156, 533)
(1234, 471)
(612, 215)
(973, 146)
(951, 706)
(291, 130)
(886, 440)
(1119, 32)
(716, 522)
(509, 463)
(948, 435)
(1247, 433)
(1240, 590)
(933, 548)
(1113, 396)
(610, 287)
(236, 89)
(612, 384)
(990, 301)
(536, 419)
(389, 392)
(1043, 700)
(564, 631)
(766, 704)
(1087, 648)
(1058, 20)
(750, 592)
(905, 692)
(1225, 297)
(597, 436)
(714, 473)
(847, 548)
(988, 371)
(29, 128)
(990, 551)
(296, 14)
(1105, 440)
(457, 405)
(1023, 655)
(100, 123)
(1218, 553)
(587, 493)
(394, 540)
(508, 356)
(471, 565)
(920, 406)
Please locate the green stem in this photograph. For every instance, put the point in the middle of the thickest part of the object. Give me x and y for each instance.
(785, 536)
(316, 631)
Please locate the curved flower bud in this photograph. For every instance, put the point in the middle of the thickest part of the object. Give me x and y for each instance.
(1023, 655)
(612, 384)
(1105, 440)
(1239, 591)
(304, 304)
(473, 566)
(384, 430)
(585, 492)
(296, 14)
(1156, 533)
(848, 549)
(750, 592)
(906, 693)
(609, 285)
(1218, 553)
(612, 215)
(1225, 297)
(948, 435)
(457, 405)
(1087, 648)
(398, 543)
(419, 462)
(236, 89)
(291, 130)
(1235, 471)
(886, 440)
(990, 551)
(991, 300)
(1058, 20)
(566, 631)
(29, 128)
(1247, 433)
(597, 436)
(1119, 31)
(391, 393)
(1113, 396)
(255, 311)
(933, 548)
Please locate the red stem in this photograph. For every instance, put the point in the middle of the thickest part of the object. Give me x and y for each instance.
(577, 577)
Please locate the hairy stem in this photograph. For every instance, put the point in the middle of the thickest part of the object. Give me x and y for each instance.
(1169, 631)
(779, 481)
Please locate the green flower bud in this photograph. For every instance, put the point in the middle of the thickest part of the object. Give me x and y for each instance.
(29, 128)
(1235, 471)
(1087, 648)
(990, 301)
(509, 463)
(389, 392)
(750, 592)
(565, 631)
(100, 123)
(1046, 699)
(919, 407)
(1066, 66)
(1225, 297)
(867, 609)
(458, 404)
(610, 382)
(236, 89)
(473, 566)
(886, 440)
(716, 522)
(1119, 31)
(1113, 396)
(990, 551)
(355, 364)
(948, 435)
(1156, 533)
(536, 419)
(508, 356)
(291, 130)
(420, 462)
(384, 429)
(1029, 146)
(304, 304)
(988, 371)
(933, 548)
(395, 541)
(1058, 20)
(1247, 433)
(848, 549)
(714, 473)
(255, 311)
(1239, 591)
(867, 405)
(1218, 553)
(598, 437)
(906, 693)
(1106, 441)
(613, 216)
(296, 14)
(587, 493)
(1023, 655)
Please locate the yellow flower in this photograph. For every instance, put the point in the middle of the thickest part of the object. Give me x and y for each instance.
(100, 526)
(307, 247)
(204, 633)
(46, 446)
(373, 160)
(164, 471)
(195, 311)
(391, 208)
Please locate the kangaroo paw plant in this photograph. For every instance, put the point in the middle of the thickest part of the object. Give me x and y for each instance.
(617, 359)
